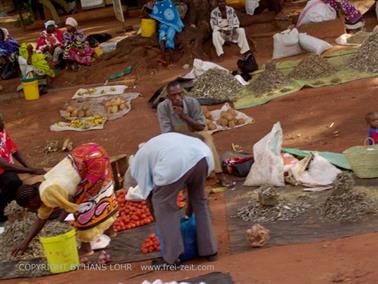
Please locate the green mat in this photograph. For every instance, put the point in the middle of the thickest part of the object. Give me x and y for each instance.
(336, 159)
(247, 97)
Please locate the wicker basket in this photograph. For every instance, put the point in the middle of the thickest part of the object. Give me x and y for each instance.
(363, 160)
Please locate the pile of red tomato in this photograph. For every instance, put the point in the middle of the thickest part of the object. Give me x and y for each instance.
(131, 214)
(150, 244)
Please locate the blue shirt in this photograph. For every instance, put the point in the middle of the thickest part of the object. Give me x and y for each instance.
(164, 159)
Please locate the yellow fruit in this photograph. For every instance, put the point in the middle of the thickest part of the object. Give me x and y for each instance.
(122, 106)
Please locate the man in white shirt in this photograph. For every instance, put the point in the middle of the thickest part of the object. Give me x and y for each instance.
(226, 27)
(164, 166)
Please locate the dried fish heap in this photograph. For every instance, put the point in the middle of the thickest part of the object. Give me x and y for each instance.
(282, 211)
(270, 79)
(312, 67)
(267, 196)
(346, 205)
(16, 230)
(54, 228)
(216, 84)
(366, 59)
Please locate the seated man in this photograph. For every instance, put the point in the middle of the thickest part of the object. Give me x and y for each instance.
(50, 43)
(166, 13)
(9, 181)
(183, 114)
(225, 25)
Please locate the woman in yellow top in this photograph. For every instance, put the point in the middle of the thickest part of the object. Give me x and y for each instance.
(81, 184)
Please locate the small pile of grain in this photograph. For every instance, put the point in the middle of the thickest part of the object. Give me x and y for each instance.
(366, 59)
(346, 205)
(312, 67)
(216, 84)
(270, 79)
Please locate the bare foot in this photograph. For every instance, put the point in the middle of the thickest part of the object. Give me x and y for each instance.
(85, 249)
(111, 233)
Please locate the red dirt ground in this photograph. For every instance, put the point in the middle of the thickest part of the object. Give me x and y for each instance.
(305, 116)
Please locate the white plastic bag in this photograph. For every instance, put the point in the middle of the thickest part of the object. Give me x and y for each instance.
(316, 11)
(313, 44)
(268, 168)
(314, 171)
(128, 180)
(251, 6)
(290, 37)
(286, 44)
(135, 194)
(200, 67)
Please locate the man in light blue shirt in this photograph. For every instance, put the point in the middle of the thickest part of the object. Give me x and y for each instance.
(165, 165)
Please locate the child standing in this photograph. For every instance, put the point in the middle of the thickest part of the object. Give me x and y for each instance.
(372, 121)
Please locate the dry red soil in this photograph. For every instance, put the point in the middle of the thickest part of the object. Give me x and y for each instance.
(306, 117)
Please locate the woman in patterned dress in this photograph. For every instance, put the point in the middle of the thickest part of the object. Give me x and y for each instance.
(81, 184)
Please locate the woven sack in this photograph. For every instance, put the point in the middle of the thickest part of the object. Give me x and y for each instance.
(363, 160)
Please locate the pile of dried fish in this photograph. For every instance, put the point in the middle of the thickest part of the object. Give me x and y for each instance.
(268, 196)
(14, 212)
(283, 211)
(366, 59)
(312, 67)
(14, 234)
(346, 205)
(270, 79)
(53, 228)
(216, 84)
(16, 230)
(358, 38)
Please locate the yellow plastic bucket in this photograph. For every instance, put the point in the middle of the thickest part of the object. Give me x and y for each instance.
(148, 27)
(61, 252)
(31, 90)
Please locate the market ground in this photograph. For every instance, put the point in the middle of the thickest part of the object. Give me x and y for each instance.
(330, 118)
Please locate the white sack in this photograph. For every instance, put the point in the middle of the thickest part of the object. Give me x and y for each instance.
(286, 44)
(316, 11)
(251, 6)
(268, 168)
(313, 44)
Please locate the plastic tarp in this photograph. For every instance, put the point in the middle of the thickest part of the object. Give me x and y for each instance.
(336, 159)
(249, 99)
